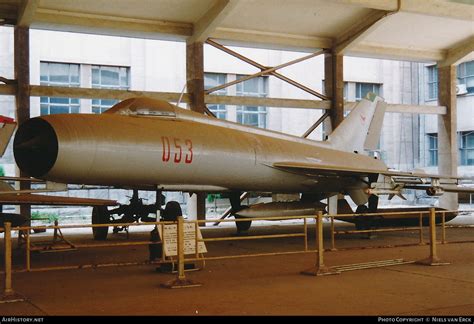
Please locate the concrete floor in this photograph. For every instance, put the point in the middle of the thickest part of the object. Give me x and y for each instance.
(270, 285)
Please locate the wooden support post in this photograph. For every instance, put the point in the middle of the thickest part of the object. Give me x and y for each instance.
(195, 85)
(334, 87)
(433, 259)
(181, 281)
(320, 269)
(22, 75)
(447, 127)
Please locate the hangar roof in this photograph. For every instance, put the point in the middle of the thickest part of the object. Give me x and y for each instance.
(417, 30)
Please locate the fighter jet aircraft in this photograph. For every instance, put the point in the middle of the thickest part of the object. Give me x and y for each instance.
(151, 144)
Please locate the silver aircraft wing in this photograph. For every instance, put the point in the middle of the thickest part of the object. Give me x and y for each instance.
(399, 179)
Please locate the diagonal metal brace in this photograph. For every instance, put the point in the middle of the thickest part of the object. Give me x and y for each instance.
(267, 70)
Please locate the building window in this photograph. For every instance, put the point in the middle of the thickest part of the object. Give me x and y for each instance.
(432, 78)
(60, 75)
(362, 89)
(432, 149)
(252, 115)
(466, 148)
(108, 77)
(212, 80)
(466, 75)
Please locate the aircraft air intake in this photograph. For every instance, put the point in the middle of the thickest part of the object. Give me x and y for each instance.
(35, 147)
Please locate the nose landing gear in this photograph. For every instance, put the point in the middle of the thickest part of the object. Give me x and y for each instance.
(129, 213)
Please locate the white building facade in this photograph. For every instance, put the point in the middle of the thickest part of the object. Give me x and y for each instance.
(92, 61)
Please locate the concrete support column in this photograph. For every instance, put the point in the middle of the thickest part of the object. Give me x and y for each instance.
(86, 82)
(22, 76)
(334, 87)
(195, 86)
(195, 75)
(447, 136)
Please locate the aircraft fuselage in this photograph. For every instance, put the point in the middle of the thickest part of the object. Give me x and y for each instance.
(121, 150)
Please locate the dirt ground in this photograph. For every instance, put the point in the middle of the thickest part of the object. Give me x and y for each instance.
(267, 285)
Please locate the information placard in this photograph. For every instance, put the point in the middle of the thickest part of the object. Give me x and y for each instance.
(170, 240)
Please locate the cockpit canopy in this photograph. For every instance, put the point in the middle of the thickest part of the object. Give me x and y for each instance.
(143, 106)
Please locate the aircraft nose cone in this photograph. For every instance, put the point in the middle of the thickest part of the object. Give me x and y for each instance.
(35, 147)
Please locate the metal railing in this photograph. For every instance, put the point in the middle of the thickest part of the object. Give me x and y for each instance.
(319, 269)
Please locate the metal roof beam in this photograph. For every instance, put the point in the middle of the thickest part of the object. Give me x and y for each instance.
(267, 102)
(397, 53)
(211, 20)
(93, 93)
(439, 8)
(8, 14)
(252, 38)
(247, 38)
(97, 93)
(27, 12)
(358, 32)
(110, 25)
(458, 52)
(406, 109)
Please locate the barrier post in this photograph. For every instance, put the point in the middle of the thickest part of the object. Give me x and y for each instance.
(320, 269)
(305, 234)
(28, 251)
(422, 242)
(55, 233)
(8, 294)
(443, 228)
(433, 259)
(333, 241)
(181, 281)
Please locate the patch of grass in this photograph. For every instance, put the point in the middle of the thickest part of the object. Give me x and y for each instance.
(49, 217)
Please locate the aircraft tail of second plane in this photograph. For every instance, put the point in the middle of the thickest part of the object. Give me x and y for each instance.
(361, 129)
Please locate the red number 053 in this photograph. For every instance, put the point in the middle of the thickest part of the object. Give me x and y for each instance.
(174, 146)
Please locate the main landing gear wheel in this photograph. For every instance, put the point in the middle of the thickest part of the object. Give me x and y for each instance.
(172, 211)
(362, 209)
(363, 222)
(235, 203)
(242, 226)
(100, 215)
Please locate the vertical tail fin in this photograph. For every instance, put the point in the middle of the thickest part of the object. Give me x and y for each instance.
(361, 128)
